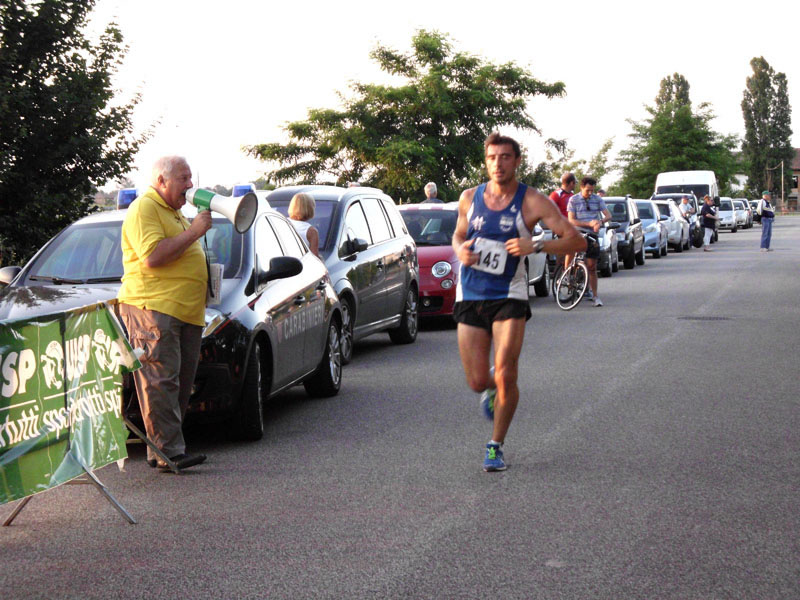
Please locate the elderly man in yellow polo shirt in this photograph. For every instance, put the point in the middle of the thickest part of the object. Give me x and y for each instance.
(162, 302)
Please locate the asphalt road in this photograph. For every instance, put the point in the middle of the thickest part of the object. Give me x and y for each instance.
(654, 454)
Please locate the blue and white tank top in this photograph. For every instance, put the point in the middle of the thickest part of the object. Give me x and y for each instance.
(497, 275)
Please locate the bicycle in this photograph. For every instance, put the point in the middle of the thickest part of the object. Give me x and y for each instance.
(570, 287)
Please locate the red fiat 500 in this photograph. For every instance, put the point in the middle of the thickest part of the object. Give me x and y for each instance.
(432, 226)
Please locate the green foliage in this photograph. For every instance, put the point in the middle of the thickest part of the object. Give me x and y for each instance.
(60, 136)
(673, 138)
(430, 127)
(768, 129)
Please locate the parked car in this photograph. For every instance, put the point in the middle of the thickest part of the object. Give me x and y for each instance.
(695, 228)
(278, 322)
(754, 209)
(431, 226)
(608, 261)
(726, 214)
(744, 215)
(630, 235)
(656, 232)
(677, 225)
(371, 258)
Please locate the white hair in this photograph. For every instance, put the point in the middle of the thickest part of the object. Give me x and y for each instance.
(430, 187)
(166, 166)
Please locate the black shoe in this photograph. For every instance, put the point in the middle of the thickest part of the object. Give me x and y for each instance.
(182, 461)
(152, 463)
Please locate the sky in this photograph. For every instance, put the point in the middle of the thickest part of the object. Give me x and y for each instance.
(215, 76)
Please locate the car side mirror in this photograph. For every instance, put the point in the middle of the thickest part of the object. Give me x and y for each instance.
(7, 274)
(637, 220)
(716, 201)
(613, 225)
(280, 267)
(663, 218)
(356, 245)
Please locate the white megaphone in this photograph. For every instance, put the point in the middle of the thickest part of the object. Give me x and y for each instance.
(239, 211)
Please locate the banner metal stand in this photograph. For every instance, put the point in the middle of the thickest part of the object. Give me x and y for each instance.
(142, 436)
(88, 478)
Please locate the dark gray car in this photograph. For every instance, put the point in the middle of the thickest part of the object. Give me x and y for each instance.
(371, 258)
(630, 236)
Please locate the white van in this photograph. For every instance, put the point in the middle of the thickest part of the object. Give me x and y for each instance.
(699, 182)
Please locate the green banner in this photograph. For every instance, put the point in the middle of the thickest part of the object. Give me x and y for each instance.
(60, 398)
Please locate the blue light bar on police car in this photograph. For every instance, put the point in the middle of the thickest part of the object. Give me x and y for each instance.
(126, 196)
(242, 188)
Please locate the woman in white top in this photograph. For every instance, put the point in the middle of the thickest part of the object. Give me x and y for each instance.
(301, 211)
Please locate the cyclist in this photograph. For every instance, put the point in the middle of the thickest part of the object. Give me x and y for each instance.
(493, 232)
(583, 211)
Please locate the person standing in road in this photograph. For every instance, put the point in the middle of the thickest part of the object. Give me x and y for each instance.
(493, 233)
(709, 215)
(162, 303)
(301, 211)
(430, 193)
(588, 211)
(767, 212)
(562, 195)
(687, 210)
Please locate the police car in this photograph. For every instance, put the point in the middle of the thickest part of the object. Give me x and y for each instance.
(278, 322)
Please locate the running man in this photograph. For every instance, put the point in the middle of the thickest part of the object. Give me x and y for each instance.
(495, 221)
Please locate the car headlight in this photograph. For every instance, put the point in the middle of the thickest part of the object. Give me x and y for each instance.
(441, 268)
(214, 320)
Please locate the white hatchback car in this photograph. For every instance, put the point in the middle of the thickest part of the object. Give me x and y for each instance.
(741, 213)
(727, 216)
(677, 225)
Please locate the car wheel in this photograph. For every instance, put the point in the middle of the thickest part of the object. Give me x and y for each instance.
(327, 379)
(679, 246)
(542, 287)
(735, 229)
(406, 332)
(657, 253)
(640, 258)
(347, 330)
(606, 270)
(615, 262)
(664, 249)
(249, 420)
(629, 260)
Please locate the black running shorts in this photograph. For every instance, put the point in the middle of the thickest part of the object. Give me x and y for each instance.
(482, 313)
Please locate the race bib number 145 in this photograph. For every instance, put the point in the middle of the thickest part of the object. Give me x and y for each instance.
(492, 256)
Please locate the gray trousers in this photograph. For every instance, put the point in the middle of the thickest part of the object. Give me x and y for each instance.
(164, 383)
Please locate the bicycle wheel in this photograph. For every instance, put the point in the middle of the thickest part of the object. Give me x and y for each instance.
(572, 286)
(557, 273)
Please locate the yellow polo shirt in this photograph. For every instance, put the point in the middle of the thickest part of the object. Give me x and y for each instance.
(177, 289)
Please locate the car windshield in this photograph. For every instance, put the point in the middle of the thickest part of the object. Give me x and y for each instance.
(619, 212)
(92, 253)
(738, 205)
(322, 219)
(431, 227)
(645, 210)
(725, 205)
(663, 209)
(699, 190)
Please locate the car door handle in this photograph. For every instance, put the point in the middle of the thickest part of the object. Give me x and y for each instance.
(300, 300)
(380, 264)
(321, 285)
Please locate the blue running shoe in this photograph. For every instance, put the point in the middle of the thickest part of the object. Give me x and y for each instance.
(494, 458)
(487, 402)
(487, 398)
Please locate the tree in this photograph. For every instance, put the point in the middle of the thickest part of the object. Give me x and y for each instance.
(674, 138)
(60, 136)
(430, 127)
(768, 129)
